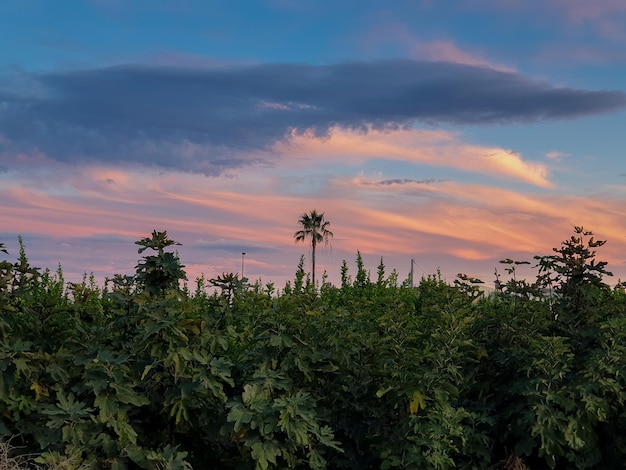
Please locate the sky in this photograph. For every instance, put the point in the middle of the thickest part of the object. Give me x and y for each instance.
(455, 133)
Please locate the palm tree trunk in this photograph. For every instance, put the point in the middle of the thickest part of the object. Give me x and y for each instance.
(313, 259)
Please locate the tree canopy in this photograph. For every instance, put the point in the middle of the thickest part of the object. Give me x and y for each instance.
(314, 227)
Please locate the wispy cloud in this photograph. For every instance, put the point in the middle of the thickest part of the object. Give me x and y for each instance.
(448, 51)
(409, 181)
(395, 32)
(92, 222)
(213, 119)
(235, 246)
(556, 155)
(490, 220)
(417, 146)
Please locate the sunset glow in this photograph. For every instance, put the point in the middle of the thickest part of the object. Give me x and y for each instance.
(420, 133)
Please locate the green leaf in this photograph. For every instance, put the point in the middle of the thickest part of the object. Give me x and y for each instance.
(146, 369)
(265, 453)
(418, 401)
(125, 394)
(107, 405)
(240, 415)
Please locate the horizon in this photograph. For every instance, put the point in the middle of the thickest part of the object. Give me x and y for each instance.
(524, 269)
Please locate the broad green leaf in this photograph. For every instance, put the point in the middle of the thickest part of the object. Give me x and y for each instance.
(125, 394)
(108, 407)
(418, 401)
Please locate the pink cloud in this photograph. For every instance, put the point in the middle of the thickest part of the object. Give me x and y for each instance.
(448, 51)
(439, 50)
(446, 224)
(556, 155)
(496, 219)
(438, 148)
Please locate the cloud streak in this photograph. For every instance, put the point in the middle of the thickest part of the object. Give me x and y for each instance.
(92, 223)
(408, 181)
(431, 147)
(214, 119)
(448, 51)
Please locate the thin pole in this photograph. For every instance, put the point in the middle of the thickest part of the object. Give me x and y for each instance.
(243, 253)
(411, 275)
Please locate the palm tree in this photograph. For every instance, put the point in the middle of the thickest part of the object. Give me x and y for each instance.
(316, 228)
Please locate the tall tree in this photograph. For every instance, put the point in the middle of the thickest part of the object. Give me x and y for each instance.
(157, 273)
(315, 227)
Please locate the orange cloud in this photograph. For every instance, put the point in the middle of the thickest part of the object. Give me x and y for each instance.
(444, 224)
(495, 219)
(438, 148)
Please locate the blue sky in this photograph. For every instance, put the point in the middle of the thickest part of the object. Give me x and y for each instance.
(457, 133)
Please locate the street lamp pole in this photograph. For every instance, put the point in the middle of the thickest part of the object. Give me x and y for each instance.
(243, 254)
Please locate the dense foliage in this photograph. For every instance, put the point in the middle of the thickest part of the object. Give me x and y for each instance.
(150, 373)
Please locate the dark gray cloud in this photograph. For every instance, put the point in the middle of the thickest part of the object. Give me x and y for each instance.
(409, 181)
(213, 119)
(233, 246)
